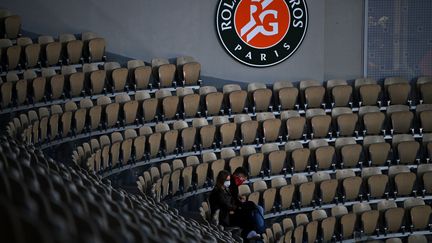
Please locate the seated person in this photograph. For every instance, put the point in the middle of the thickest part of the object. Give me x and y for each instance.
(221, 199)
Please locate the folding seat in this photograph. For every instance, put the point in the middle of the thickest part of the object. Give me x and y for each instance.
(115, 153)
(328, 187)
(180, 62)
(201, 172)
(368, 91)
(347, 221)
(169, 136)
(32, 55)
(403, 179)
(372, 118)
(319, 122)
(175, 181)
(169, 104)
(191, 73)
(345, 120)
(139, 148)
(97, 78)
(50, 50)
(39, 85)
(351, 184)
(12, 26)
(216, 167)
(126, 150)
(187, 178)
(139, 73)
(417, 239)
(424, 115)
(116, 137)
(376, 149)
(96, 48)
(6, 94)
(269, 196)
(4, 44)
(155, 174)
(368, 217)
(398, 90)
(188, 135)
(376, 182)
(401, 118)
(419, 213)
(255, 163)
(406, 148)
(190, 101)
(117, 76)
(248, 128)
(258, 187)
(236, 97)
(340, 92)
(295, 124)
(54, 125)
(76, 84)
(424, 87)
(227, 153)
(111, 114)
(154, 142)
(146, 130)
(393, 216)
(305, 189)
(149, 107)
(165, 185)
(277, 162)
(74, 49)
(261, 96)
(270, 126)
(57, 86)
(13, 55)
(235, 162)
(349, 151)
(164, 71)
(43, 128)
(208, 157)
(206, 131)
(323, 154)
(424, 175)
(227, 130)
(277, 231)
(247, 150)
(327, 224)
(43, 112)
(298, 156)
(285, 95)
(312, 93)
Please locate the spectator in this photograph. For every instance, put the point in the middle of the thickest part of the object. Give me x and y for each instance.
(221, 199)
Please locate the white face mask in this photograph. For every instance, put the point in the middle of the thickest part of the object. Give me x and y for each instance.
(227, 184)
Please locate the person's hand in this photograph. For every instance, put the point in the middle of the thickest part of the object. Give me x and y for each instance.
(242, 198)
(231, 212)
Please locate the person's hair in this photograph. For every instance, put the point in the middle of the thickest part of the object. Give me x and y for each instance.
(240, 170)
(221, 178)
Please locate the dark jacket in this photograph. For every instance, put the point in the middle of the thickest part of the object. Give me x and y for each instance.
(220, 198)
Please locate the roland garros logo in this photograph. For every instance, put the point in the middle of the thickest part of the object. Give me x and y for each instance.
(261, 33)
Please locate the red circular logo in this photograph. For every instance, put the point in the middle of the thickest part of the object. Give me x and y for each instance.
(262, 24)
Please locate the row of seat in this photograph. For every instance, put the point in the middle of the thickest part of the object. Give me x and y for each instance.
(195, 174)
(51, 86)
(357, 223)
(244, 130)
(52, 202)
(49, 52)
(297, 156)
(10, 24)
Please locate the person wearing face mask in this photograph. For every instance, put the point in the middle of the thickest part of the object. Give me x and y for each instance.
(220, 198)
(247, 216)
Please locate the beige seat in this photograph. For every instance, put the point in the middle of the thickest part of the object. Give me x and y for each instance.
(368, 90)
(340, 92)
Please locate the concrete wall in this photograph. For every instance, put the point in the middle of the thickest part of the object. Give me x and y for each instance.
(144, 29)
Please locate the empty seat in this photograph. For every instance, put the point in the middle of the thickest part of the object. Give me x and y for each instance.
(424, 85)
(406, 148)
(377, 149)
(349, 151)
(285, 95)
(163, 71)
(346, 121)
(372, 119)
(319, 122)
(340, 92)
(312, 92)
(398, 90)
(403, 179)
(261, 96)
(213, 100)
(236, 97)
(368, 91)
(401, 118)
(322, 153)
